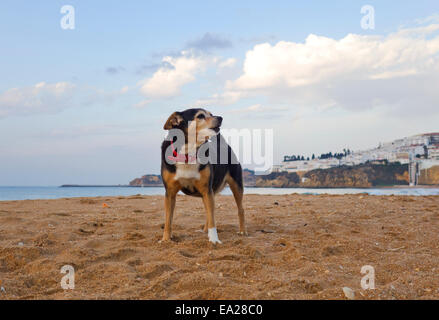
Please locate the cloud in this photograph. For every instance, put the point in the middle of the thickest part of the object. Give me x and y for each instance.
(39, 98)
(114, 70)
(319, 59)
(260, 111)
(399, 70)
(92, 130)
(152, 67)
(167, 80)
(227, 98)
(51, 98)
(210, 41)
(228, 63)
(142, 104)
(177, 69)
(434, 18)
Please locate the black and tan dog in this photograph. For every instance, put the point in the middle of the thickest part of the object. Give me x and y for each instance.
(181, 171)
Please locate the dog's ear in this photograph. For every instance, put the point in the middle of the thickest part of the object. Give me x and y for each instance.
(173, 121)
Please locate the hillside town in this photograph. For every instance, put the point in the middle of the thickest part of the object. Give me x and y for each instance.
(419, 152)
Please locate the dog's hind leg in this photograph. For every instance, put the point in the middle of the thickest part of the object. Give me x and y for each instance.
(238, 192)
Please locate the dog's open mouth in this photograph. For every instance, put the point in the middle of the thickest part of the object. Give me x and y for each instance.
(216, 129)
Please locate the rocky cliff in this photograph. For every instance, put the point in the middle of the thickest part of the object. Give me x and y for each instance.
(149, 180)
(429, 176)
(278, 180)
(249, 178)
(361, 176)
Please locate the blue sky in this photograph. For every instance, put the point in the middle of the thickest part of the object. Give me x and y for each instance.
(97, 115)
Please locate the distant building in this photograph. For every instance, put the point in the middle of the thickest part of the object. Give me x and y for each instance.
(420, 147)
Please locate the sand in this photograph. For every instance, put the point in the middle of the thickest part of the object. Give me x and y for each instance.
(298, 247)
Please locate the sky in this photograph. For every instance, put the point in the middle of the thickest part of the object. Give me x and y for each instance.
(87, 105)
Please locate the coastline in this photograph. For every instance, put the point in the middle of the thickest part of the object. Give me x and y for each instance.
(251, 186)
(35, 193)
(373, 187)
(103, 186)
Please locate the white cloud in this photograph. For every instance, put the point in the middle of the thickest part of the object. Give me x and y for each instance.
(39, 98)
(259, 112)
(258, 109)
(226, 98)
(178, 71)
(142, 104)
(228, 63)
(433, 18)
(50, 98)
(321, 58)
(399, 70)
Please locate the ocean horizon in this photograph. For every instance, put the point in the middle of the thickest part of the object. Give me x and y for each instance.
(14, 193)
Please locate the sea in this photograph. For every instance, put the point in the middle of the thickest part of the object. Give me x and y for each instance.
(32, 193)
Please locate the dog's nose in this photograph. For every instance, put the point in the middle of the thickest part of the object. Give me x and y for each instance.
(220, 120)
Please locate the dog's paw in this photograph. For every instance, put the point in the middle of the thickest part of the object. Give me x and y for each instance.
(215, 242)
(165, 239)
(213, 236)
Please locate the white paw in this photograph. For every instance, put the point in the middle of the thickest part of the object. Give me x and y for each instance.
(213, 236)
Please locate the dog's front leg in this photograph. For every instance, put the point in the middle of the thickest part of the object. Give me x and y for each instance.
(203, 185)
(169, 211)
(209, 204)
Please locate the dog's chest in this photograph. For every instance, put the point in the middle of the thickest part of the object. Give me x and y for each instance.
(187, 173)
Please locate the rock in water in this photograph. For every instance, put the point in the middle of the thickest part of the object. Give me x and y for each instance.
(349, 293)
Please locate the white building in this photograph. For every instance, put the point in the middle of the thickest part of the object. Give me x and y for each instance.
(422, 146)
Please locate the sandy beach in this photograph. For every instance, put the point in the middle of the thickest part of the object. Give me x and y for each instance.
(298, 247)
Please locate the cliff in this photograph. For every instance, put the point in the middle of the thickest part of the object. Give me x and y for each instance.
(149, 180)
(278, 180)
(249, 178)
(429, 176)
(361, 176)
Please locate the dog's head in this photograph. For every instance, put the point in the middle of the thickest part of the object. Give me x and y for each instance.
(202, 121)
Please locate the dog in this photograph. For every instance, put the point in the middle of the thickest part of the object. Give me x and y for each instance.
(183, 170)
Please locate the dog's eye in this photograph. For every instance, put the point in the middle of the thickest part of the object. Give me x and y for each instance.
(201, 116)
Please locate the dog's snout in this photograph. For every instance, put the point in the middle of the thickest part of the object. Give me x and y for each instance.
(220, 120)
